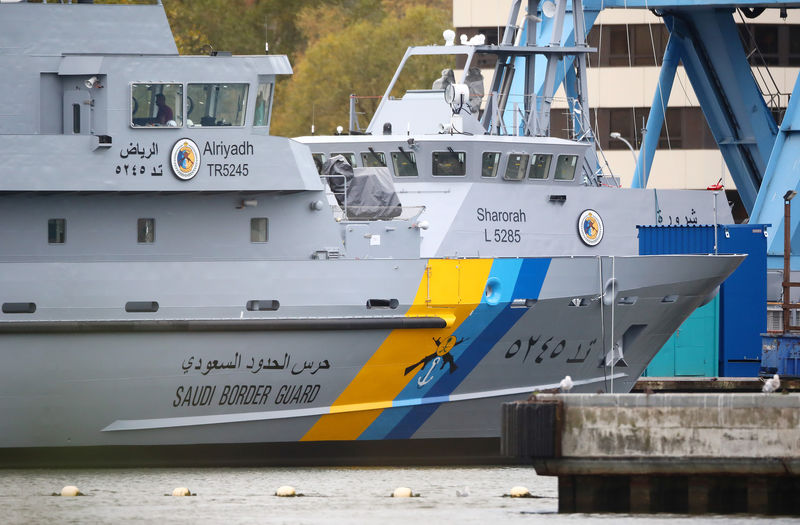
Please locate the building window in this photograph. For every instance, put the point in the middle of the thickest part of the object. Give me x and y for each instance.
(765, 39)
(628, 45)
(404, 163)
(259, 229)
(672, 132)
(686, 126)
(449, 163)
(373, 159)
(628, 122)
(56, 231)
(540, 166)
(216, 104)
(156, 105)
(489, 164)
(516, 167)
(618, 49)
(794, 46)
(146, 230)
(565, 167)
(644, 44)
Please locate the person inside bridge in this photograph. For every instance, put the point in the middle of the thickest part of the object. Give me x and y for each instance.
(164, 114)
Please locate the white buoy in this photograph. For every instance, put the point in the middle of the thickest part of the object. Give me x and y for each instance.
(519, 492)
(70, 490)
(181, 491)
(402, 492)
(286, 491)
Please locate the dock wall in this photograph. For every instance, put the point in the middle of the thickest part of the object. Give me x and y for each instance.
(686, 453)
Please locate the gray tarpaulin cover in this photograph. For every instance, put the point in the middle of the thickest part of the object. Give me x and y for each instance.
(370, 191)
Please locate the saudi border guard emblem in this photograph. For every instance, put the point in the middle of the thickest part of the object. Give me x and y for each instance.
(590, 228)
(185, 159)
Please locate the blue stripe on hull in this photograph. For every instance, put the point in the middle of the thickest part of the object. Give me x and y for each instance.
(519, 279)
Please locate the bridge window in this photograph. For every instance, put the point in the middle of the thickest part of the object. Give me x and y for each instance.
(449, 163)
(489, 165)
(540, 166)
(565, 167)
(349, 157)
(216, 104)
(157, 105)
(263, 104)
(319, 160)
(373, 159)
(517, 166)
(404, 163)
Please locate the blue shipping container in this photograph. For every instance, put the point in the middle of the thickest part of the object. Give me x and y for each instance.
(780, 355)
(743, 296)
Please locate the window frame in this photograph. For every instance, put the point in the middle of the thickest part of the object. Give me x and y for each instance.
(411, 156)
(268, 102)
(349, 157)
(321, 158)
(496, 168)
(459, 154)
(54, 223)
(139, 232)
(574, 168)
(547, 170)
(521, 169)
(133, 106)
(266, 230)
(375, 155)
(215, 126)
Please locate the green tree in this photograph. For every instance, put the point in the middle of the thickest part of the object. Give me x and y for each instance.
(358, 58)
(239, 26)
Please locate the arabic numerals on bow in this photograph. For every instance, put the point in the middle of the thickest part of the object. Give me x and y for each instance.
(542, 344)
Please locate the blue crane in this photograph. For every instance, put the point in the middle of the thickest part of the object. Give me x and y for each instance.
(761, 158)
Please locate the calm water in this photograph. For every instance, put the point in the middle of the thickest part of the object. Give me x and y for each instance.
(331, 495)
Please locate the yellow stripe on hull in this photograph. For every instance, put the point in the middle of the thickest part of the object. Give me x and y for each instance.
(450, 288)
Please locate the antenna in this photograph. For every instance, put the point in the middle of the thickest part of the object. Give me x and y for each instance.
(266, 37)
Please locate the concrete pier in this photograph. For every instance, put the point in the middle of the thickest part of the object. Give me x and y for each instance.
(685, 453)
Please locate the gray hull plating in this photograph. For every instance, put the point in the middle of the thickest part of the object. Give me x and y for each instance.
(150, 387)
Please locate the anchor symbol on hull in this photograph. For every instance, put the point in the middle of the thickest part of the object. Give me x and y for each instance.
(438, 358)
(422, 381)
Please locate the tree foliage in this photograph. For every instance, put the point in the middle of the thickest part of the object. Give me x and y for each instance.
(239, 26)
(359, 57)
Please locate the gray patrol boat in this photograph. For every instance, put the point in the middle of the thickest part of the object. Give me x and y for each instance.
(180, 287)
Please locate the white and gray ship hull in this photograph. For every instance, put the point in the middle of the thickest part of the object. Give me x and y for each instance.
(342, 353)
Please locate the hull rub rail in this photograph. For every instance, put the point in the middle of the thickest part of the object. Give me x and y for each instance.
(223, 325)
